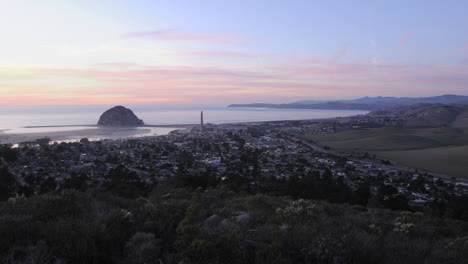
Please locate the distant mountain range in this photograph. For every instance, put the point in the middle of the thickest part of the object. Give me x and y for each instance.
(365, 103)
(442, 99)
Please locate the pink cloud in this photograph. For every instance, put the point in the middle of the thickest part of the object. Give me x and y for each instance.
(464, 61)
(341, 52)
(274, 74)
(335, 58)
(459, 51)
(121, 65)
(403, 40)
(113, 83)
(170, 35)
(313, 61)
(219, 54)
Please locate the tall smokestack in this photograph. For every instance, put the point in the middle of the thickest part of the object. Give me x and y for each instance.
(201, 120)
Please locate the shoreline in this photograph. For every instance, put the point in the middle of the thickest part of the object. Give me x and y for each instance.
(96, 126)
(194, 125)
(95, 132)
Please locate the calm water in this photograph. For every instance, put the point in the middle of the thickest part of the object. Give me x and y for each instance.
(16, 118)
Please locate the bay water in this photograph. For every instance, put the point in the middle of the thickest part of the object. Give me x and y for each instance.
(18, 119)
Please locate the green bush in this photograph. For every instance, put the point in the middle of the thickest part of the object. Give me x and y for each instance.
(170, 225)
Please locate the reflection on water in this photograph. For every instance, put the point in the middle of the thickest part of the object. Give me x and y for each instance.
(26, 130)
(71, 134)
(122, 133)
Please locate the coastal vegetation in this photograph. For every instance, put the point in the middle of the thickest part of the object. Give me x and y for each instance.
(187, 224)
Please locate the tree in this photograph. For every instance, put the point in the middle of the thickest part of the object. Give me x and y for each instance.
(7, 183)
(186, 160)
(362, 194)
(125, 183)
(48, 185)
(78, 182)
(43, 141)
(143, 248)
(396, 202)
(8, 154)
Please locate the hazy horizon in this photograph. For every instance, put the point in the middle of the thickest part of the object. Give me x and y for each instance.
(195, 104)
(196, 53)
(14, 117)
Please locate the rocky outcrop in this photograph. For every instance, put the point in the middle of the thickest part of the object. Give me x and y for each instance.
(119, 116)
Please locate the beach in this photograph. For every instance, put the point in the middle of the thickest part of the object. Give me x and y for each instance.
(73, 133)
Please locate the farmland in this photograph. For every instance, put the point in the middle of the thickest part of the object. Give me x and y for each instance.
(443, 150)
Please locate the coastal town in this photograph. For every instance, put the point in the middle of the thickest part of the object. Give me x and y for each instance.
(255, 152)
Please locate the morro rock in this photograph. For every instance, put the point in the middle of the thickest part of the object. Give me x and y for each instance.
(119, 116)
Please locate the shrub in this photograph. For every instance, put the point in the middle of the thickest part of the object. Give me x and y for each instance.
(327, 250)
(143, 248)
(406, 222)
(39, 253)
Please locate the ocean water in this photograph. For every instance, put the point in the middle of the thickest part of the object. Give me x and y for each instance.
(16, 118)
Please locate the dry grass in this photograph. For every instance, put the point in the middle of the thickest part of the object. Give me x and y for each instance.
(451, 161)
(443, 149)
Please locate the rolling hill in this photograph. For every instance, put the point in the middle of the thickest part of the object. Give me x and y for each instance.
(427, 115)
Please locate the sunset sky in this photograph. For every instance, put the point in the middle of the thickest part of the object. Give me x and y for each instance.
(200, 52)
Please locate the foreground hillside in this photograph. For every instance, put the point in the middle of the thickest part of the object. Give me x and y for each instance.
(218, 225)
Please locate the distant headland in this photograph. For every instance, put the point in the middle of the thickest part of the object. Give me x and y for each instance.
(365, 103)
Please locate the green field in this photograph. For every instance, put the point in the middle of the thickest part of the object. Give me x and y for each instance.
(442, 150)
(451, 161)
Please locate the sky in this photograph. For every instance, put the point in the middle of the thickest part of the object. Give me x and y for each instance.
(211, 52)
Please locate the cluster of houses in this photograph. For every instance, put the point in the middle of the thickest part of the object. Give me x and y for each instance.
(369, 121)
(267, 150)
